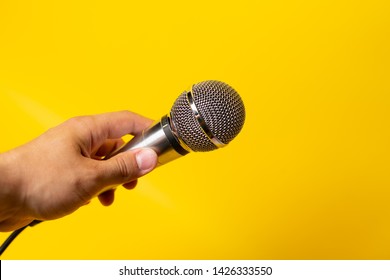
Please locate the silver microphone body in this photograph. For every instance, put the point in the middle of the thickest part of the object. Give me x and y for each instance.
(161, 138)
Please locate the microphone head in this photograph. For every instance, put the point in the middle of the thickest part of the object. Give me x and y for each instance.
(208, 117)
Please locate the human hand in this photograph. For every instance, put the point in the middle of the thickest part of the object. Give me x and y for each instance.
(61, 170)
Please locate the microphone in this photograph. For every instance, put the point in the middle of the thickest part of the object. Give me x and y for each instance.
(205, 118)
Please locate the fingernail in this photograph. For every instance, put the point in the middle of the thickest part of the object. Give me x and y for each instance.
(146, 159)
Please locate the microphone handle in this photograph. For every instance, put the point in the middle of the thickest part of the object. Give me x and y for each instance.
(158, 137)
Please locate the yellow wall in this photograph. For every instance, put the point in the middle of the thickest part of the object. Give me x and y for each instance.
(307, 178)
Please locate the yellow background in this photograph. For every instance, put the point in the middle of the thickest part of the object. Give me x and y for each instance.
(308, 177)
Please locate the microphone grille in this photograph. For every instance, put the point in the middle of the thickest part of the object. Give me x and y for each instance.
(221, 108)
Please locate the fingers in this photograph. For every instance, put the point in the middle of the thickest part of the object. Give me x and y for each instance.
(108, 147)
(107, 198)
(100, 136)
(117, 124)
(130, 185)
(126, 167)
(93, 131)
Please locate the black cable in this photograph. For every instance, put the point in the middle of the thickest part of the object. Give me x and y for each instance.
(14, 234)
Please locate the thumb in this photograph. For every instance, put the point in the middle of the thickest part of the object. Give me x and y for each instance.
(127, 166)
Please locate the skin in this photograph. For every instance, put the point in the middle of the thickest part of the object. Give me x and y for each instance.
(62, 169)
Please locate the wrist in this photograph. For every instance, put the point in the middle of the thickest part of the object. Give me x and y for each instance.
(11, 195)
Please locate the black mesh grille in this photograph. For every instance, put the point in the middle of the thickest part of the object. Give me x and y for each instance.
(220, 106)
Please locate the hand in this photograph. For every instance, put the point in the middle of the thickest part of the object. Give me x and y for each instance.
(61, 170)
